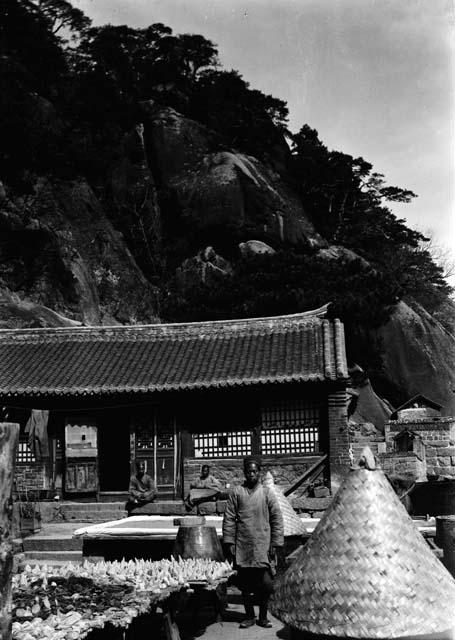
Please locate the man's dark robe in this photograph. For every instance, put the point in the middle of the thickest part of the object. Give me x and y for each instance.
(142, 489)
(253, 523)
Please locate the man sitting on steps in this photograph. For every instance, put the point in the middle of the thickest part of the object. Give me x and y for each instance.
(142, 488)
(205, 488)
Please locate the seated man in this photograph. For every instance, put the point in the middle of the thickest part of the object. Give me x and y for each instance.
(205, 488)
(142, 488)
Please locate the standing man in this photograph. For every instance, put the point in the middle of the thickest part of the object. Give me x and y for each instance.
(252, 530)
(142, 488)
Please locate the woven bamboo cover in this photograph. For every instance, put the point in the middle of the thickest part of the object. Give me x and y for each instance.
(293, 526)
(366, 571)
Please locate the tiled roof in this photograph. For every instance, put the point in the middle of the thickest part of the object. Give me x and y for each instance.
(80, 361)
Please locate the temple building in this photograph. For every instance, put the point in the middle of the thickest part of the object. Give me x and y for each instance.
(90, 400)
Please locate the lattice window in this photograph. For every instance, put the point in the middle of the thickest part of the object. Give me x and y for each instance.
(290, 440)
(290, 426)
(24, 454)
(224, 444)
(145, 437)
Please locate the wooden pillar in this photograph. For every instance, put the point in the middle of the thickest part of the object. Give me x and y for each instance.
(9, 436)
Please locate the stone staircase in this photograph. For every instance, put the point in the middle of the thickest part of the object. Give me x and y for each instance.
(53, 545)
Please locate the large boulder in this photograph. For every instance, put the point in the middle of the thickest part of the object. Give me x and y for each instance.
(255, 248)
(218, 186)
(419, 355)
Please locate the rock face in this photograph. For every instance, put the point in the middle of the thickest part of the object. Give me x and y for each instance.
(419, 355)
(366, 406)
(216, 186)
(60, 251)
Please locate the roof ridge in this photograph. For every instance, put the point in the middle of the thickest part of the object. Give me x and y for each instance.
(208, 325)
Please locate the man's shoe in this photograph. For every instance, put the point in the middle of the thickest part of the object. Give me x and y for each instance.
(248, 622)
(264, 623)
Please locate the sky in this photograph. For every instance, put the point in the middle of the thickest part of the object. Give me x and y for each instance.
(376, 78)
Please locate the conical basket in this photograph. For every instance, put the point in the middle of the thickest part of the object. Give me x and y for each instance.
(366, 571)
(293, 526)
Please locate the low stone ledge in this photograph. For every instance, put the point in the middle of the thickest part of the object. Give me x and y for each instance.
(165, 508)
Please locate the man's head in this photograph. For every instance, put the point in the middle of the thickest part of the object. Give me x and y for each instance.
(140, 467)
(205, 470)
(251, 470)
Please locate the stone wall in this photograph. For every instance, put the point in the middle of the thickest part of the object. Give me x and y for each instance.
(438, 436)
(285, 470)
(403, 464)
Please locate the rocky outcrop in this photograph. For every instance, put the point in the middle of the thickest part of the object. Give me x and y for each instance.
(336, 252)
(366, 407)
(216, 186)
(419, 355)
(255, 248)
(205, 268)
(16, 314)
(59, 251)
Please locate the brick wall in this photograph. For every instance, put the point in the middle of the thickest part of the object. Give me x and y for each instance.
(338, 428)
(32, 477)
(438, 436)
(285, 470)
(339, 441)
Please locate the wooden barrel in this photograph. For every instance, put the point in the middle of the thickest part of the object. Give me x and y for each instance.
(200, 541)
(445, 538)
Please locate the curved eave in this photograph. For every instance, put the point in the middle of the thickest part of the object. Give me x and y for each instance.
(125, 389)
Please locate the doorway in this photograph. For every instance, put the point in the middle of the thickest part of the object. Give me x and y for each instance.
(114, 450)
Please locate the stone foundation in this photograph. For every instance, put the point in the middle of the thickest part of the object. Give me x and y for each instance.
(403, 464)
(285, 470)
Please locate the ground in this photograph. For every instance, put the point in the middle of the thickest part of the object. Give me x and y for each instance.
(228, 629)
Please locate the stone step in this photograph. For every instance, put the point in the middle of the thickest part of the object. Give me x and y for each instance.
(91, 516)
(52, 543)
(49, 557)
(92, 506)
(53, 562)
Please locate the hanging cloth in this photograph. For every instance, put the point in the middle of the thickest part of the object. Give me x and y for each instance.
(36, 428)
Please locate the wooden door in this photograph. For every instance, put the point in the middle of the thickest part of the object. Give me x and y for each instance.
(165, 455)
(81, 454)
(144, 429)
(155, 444)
